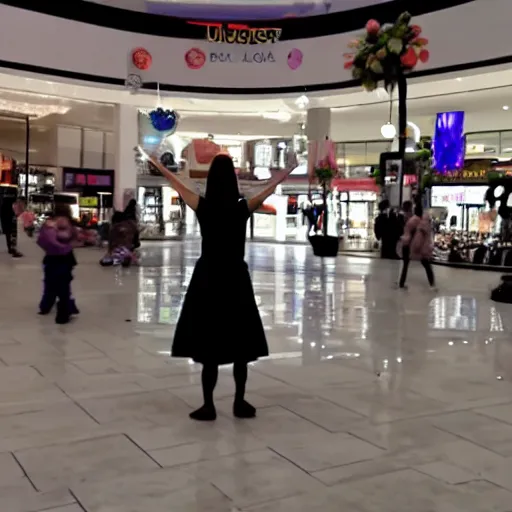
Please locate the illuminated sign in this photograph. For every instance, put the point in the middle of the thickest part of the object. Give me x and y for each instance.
(234, 33)
(463, 175)
(88, 202)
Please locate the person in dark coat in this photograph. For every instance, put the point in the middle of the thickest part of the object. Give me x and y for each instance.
(387, 230)
(130, 214)
(228, 329)
(9, 227)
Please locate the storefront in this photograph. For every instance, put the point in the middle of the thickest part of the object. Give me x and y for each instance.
(161, 209)
(466, 230)
(356, 203)
(92, 191)
(458, 207)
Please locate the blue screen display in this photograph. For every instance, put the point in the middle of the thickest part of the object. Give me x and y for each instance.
(448, 145)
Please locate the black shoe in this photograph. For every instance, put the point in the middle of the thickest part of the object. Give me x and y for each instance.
(205, 413)
(16, 254)
(244, 410)
(73, 310)
(62, 320)
(44, 312)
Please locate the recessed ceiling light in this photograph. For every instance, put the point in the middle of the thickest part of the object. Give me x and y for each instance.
(505, 107)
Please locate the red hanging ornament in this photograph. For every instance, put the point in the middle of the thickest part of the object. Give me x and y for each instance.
(409, 59)
(142, 59)
(373, 27)
(424, 55)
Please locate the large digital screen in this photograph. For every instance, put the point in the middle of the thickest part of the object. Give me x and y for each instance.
(448, 145)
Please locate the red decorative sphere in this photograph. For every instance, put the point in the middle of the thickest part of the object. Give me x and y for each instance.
(142, 59)
(409, 59)
(424, 55)
(372, 27)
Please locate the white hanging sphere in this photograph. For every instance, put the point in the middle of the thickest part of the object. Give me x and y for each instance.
(498, 191)
(388, 130)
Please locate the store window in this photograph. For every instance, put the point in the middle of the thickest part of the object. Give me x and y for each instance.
(506, 144)
(483, 144)
(356, 157)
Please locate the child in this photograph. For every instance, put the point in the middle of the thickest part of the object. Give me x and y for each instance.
(55, 238)
(123, 242)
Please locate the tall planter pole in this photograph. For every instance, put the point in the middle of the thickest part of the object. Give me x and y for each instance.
(402, 131)
(326, 213)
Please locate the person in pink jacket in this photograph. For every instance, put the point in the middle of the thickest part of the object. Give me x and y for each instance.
(417, 245)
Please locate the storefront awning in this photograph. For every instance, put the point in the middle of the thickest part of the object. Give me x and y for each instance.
(355, 185)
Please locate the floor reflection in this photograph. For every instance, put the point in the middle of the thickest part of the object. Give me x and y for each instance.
(348, 309)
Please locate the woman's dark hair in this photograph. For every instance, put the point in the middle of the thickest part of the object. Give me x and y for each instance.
(130, 212)
(383, 205)
(407, 206)
(62, 210)
(222, 184)
(418, 210)
(118, 217)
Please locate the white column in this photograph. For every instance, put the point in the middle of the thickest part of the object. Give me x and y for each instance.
(318, 124)
(126, 137)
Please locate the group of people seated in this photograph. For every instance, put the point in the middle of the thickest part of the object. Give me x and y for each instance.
(472, 247)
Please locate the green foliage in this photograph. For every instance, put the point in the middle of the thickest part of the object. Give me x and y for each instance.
(324, 175)
(377, 176)
(494, 176)
(427, 181)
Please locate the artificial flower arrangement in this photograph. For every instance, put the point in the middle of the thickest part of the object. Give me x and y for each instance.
(386, 52)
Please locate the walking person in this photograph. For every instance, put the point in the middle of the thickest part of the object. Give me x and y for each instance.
(219, 322)
(9, 225)
(417, 245)
(387, 230)
(56, 239)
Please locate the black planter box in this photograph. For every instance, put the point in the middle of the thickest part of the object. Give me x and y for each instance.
(503, 292)
(324, 246)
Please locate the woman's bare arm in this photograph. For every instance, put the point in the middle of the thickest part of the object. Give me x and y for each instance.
(255, 202)
(190, 197)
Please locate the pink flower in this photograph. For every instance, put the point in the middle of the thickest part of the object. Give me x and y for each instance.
(409, 59)
(416, 30)
(348, 64)
(420, 41)
(373, 27)
(424, 55)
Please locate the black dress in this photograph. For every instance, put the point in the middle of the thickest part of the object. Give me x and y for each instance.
(219, 321)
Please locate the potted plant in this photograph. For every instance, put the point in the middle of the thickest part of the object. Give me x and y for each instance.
(386, 54)
(323, 244)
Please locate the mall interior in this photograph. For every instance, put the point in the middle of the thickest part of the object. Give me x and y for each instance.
(372, 398)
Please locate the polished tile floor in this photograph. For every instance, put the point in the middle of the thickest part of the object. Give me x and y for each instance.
(373, 400)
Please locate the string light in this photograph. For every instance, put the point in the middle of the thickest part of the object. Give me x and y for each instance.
(32, 110)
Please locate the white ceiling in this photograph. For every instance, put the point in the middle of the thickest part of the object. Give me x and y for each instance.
(333, 5)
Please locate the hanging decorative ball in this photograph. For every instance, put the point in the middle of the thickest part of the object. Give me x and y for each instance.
(373, 27)
(133, 82)
(142, 59)
(409, 59)
(164, 120)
